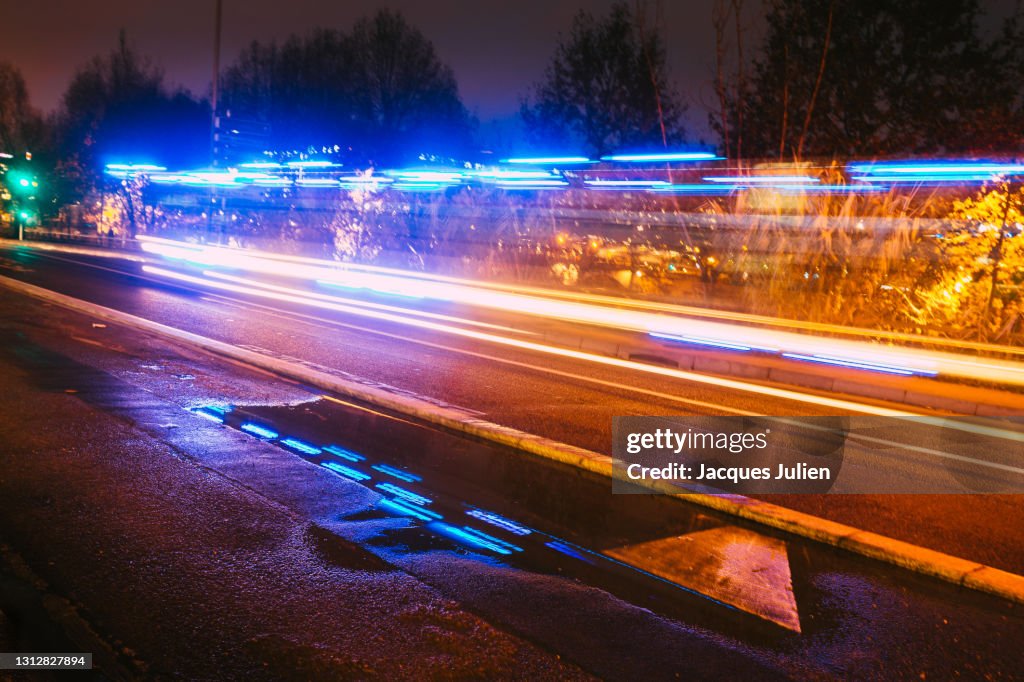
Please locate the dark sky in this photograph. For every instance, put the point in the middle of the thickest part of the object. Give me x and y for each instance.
(496, 48)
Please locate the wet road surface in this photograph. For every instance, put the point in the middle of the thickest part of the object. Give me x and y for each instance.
(557, 398)
(216, 539)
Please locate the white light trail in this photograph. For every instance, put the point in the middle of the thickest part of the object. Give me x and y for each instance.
(770, 391)
(365, 304)
(856, 354)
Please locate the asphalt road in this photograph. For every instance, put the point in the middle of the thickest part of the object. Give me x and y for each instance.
(562, 398)
(191, 548)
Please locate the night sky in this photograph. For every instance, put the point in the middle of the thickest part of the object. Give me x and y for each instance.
(497, 49)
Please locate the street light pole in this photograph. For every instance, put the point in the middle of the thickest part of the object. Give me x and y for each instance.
(214, 115)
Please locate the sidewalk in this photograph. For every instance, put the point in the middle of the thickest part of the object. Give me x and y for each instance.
(185, 573)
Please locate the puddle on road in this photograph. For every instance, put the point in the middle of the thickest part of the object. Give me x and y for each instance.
(459, 494)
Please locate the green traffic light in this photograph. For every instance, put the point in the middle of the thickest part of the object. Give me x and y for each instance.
(28, 218)
(21, 181)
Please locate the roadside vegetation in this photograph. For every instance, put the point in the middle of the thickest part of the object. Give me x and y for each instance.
(826, 82)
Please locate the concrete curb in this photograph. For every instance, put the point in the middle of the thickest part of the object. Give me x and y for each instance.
(969, 574)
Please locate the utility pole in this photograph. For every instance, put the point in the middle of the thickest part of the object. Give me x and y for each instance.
(214, 114)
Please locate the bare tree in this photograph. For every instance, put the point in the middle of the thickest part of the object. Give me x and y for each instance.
(785, 101)
(719, 21)
(817, 81)
(20, 124)
(737, 11)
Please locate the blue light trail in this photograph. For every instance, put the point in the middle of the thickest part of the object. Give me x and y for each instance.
(696, 189)
(260, 165)
(549, 160)
(859, 364)
(701, 341)
(402, 509)
(343, 453)
(936, 168)
(499, 521)
(347, 472)
(625, 184)
(214, 414)
(318, 182)
(473, 538)
(407, 495)
(301, 446)
(569, 551)
(397, 473)
(524, 185)
(665, 156)
(764, 179)
(311, 164)
(258, 430)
